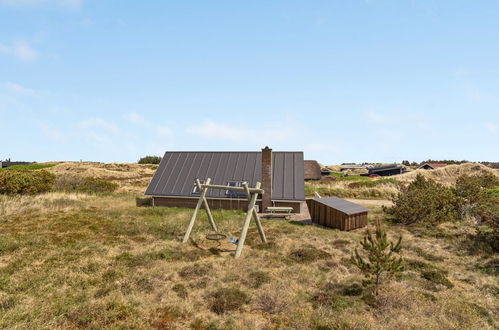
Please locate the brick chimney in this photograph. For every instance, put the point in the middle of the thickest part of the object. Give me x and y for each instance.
(266, 178)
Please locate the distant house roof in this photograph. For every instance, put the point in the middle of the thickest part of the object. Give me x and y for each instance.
(312, 170)
(386, 168)
(342, 205)
(177, 171)
(432, 166)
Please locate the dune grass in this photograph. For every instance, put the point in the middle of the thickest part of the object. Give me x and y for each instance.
(81, 261)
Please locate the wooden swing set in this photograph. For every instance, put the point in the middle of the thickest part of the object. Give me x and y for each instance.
(251, 194)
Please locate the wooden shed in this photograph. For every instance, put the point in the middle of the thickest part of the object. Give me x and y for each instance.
(337, 213)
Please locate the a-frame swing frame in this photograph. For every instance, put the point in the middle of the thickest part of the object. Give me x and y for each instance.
(251, 194)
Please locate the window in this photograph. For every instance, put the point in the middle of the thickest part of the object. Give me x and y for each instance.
(235, 193)
(195, 190)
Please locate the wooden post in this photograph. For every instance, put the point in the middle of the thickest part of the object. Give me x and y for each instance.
(206, 206)
(246, 224)
(254, 213)
(196, 210)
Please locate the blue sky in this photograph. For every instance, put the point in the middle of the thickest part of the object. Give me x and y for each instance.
(109, 80)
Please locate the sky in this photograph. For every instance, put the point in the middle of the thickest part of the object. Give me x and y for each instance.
(343, 81)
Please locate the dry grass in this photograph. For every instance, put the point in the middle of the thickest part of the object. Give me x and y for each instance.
(448, 175)
(342, 189)
(43, 203)
(388, 189)
(100, 262)
(129, 177)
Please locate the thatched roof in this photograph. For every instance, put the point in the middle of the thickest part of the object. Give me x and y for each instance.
(312, 170)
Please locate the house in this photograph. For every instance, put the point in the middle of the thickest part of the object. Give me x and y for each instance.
(8, 163)
(431, 166)
(281, 175)
(345, 167)
(312, 170)
(387, 170)
(337, 213)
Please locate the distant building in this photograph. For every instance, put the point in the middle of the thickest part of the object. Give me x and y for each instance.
(387, 170)
(345, 167)
(9, 163)
(312, 170)
(431, 166)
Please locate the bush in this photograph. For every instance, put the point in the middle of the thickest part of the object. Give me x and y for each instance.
(26, 182)
(71, 183)
(426, 201)
(150, 160)
(479, 197)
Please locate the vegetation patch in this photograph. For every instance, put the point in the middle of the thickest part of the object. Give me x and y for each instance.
(166, 317)
(490, 267)
(180, 290)
(372, 183)
(257, 278)
(71, 183)
(354, 289)
(272, 302)
(150, 160)
(29, 167)
(424, 201)
(227, 299)
(196, 270)
(330, 299)
(26, 182)
(308, 254)
(437, 277)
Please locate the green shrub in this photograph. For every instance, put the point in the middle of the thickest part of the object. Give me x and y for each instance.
(26, 182)
(227, 299)
(150, 160)
(71, 183)
(480, 199)
(424, 201)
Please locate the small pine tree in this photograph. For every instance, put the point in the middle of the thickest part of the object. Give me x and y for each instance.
(380, 258)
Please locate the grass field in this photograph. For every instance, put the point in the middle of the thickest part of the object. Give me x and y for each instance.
(86, 261)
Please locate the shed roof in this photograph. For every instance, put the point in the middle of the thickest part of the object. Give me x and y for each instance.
(177, 171)
(342, 205)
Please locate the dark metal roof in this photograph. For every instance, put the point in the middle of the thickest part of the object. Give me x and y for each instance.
(177, 171)
(342, 205)
(385, 168)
